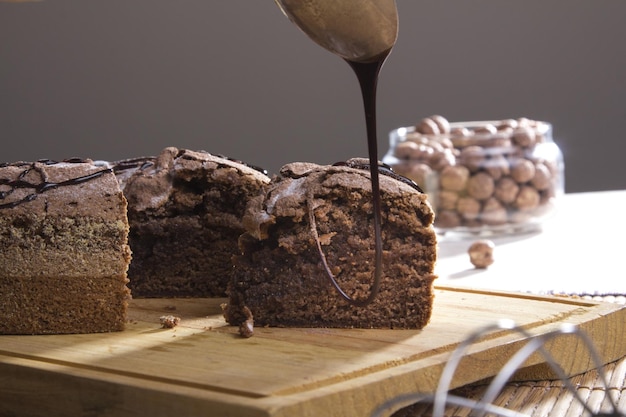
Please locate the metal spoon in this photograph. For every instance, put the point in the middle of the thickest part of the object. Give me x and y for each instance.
(356, 30)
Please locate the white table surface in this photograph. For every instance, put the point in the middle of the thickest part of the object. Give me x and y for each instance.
(580, 250)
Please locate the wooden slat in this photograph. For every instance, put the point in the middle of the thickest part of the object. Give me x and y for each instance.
(203, 367)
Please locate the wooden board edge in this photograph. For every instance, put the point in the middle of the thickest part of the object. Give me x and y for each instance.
(553, 298)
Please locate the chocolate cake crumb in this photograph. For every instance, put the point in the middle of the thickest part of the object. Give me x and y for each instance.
(246, 328)
(169, 322)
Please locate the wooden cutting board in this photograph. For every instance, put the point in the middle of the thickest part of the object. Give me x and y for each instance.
(203, 367)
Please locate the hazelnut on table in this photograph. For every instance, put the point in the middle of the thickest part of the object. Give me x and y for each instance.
(481, 253)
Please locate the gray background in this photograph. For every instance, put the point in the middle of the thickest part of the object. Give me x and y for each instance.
(122, 78)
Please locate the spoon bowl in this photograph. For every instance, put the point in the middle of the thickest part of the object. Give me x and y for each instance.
(355, 30)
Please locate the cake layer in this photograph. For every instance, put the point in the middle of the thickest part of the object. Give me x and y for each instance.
(62, 304)
(62, 246)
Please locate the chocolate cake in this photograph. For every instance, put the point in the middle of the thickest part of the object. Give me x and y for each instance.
(63, 248)
(185, 210)
(313, 215)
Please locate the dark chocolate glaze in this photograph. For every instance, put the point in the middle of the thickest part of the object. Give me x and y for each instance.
(140, 163)
(44, 185)
(254, 167)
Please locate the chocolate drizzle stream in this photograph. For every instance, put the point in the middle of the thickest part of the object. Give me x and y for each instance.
(44, 185)
(367, 74)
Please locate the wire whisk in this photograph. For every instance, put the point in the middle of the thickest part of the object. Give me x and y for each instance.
(485, 406)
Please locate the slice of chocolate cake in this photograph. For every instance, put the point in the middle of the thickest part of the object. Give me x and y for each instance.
(185, 210)
(314, 215)
(63, 248)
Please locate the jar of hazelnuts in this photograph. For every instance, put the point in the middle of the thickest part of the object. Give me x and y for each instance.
(486, 177)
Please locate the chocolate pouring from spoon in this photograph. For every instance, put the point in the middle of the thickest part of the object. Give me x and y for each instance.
(362, 32)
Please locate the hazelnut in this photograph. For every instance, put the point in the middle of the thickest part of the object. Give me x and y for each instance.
(473, 223)
(553, 166)
(506, 190)
(427, 126)
(418, 172)
(494, 213)
(524, 137)
(507, 124)
(441, 122)
(468, 208)
(446, 143)
(524, 121)
(460, 136)
(447, 219)
(422, 152)
(542, 178)
(473, 157)
(486, 129)
(454, 178)
(481, 253)
(441, 160)
(527, 198)
(447, 200)
(500, 140)
(405, 150)
(460, 131)
(522, 170)
(417, 138)
(435, 147)
(480, 186)
(546, 203)
(497, 166)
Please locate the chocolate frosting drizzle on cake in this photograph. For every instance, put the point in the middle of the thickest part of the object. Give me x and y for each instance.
(44, 185)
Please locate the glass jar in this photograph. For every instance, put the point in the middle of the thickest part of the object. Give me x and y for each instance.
(482, 178)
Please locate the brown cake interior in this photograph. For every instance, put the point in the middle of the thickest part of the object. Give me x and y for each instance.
(185, 211)
(280, 277)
